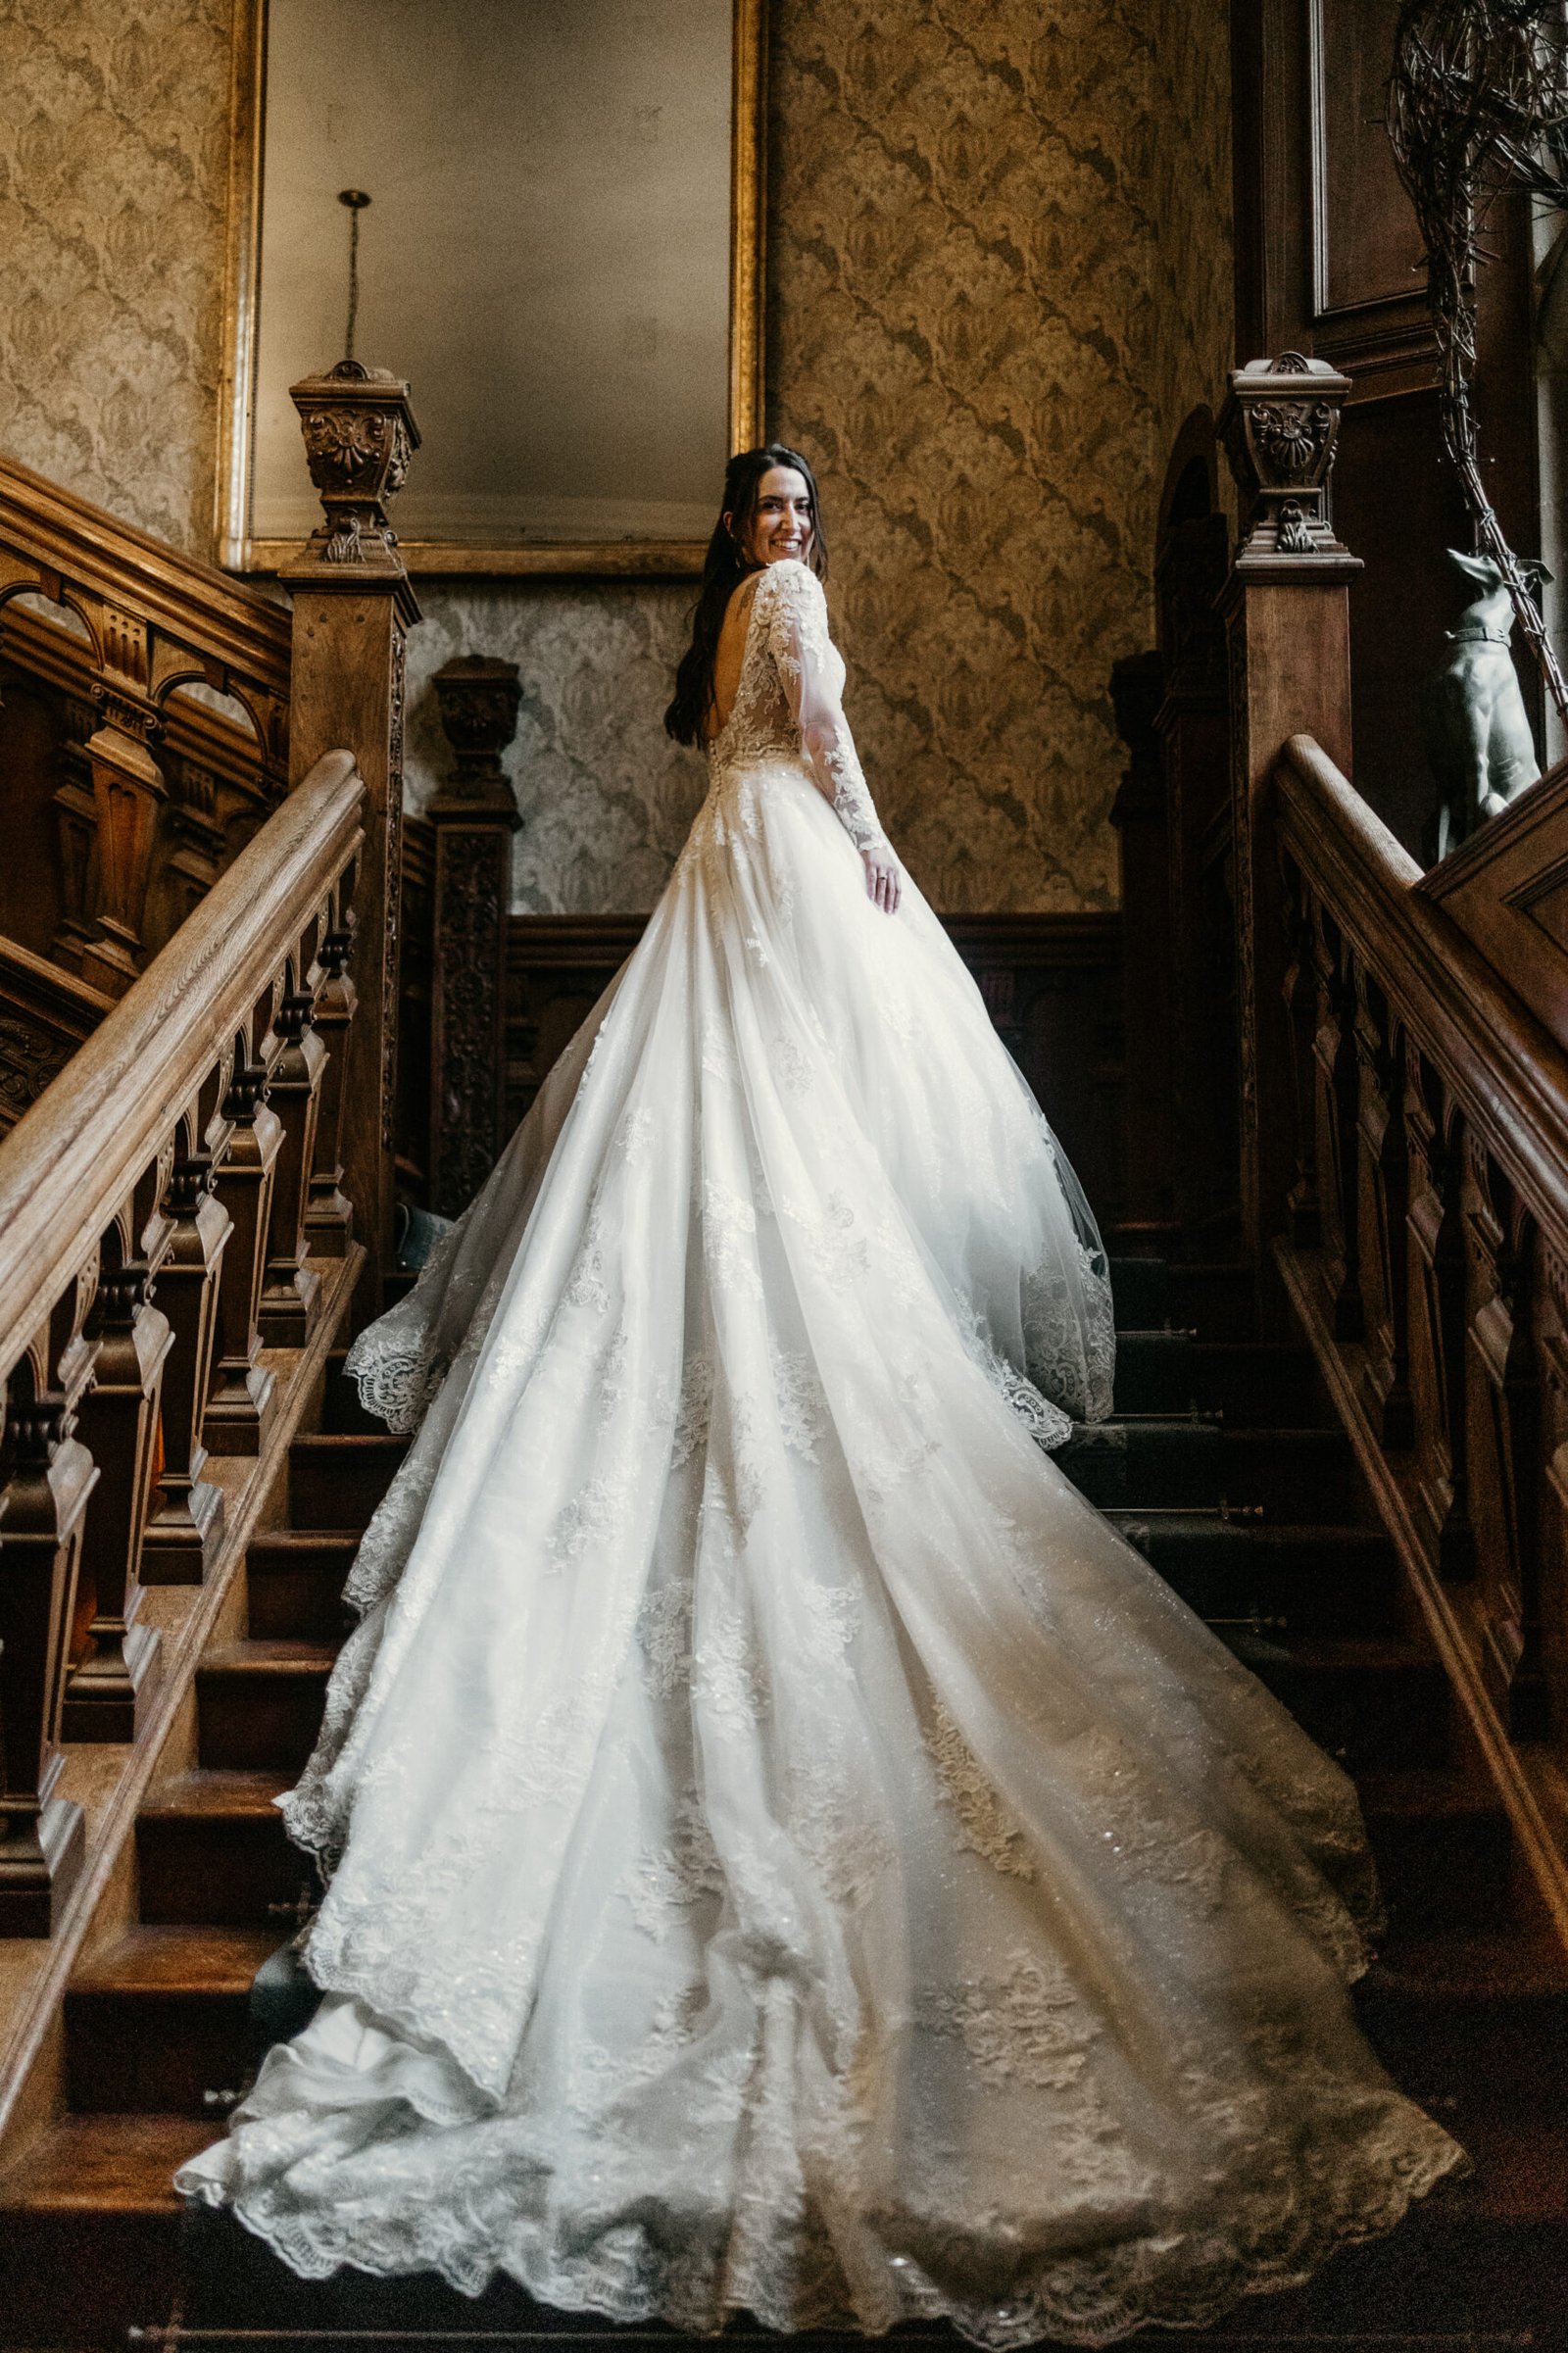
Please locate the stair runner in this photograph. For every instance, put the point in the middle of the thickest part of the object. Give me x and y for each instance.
(1220, 1466)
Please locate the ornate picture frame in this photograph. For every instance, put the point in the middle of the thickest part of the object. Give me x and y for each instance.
(651, 535)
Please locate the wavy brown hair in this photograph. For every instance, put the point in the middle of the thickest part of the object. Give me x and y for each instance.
(723, 568)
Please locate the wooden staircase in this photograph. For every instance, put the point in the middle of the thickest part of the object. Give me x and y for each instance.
(1222, 1467)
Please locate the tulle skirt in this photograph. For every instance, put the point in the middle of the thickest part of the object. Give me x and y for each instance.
(786, 1850)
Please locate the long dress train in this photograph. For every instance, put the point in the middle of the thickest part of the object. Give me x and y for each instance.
(786, 1850)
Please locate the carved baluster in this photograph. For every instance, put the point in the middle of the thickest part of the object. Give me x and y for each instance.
(1437, 1318)
(113, 1683)
(1298, 990)
(1552, 1342)
(187, 1514)
(128, 791)
(1381, 1210)
(292, 1288)
(45, 1478)
(1337, 1143)
(1505, 1439)
(240, 1410)
(329, 1217)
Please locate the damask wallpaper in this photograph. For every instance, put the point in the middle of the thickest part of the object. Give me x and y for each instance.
(998, 274)
(114, 175)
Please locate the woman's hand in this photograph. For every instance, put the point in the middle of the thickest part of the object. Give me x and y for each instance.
(882, 876)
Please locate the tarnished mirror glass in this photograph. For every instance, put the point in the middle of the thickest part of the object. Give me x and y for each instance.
(557, 240)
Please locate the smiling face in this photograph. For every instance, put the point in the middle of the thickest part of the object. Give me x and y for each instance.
(782, 523)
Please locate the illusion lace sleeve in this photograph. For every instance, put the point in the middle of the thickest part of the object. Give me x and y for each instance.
(794, 612)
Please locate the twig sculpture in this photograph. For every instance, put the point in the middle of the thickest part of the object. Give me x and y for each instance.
(1478, 104)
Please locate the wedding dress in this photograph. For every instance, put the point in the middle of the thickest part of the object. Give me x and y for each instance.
(786, 1850)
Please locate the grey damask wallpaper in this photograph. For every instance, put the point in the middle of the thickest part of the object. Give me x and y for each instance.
(114, 174)
(999, 276)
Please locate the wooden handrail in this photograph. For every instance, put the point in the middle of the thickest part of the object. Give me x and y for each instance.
(68, 1162)
(145, 817)
(168, 1201)
(1423, 1247)
(1508, 1070)
(232, 627)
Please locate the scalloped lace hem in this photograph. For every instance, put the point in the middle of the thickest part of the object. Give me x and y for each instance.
(1185, 2279)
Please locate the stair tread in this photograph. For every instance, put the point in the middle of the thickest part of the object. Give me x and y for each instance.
(1500, 1962)
(270, 1654)
(1415, 1792)
(1520, 2176)
(217, 1789)
(359, 1441)
(287, 1540)
(1370, 1651)
(107, 2162)
(195, 1959)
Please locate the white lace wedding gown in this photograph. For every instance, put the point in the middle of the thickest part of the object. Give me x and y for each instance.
(787, 1851)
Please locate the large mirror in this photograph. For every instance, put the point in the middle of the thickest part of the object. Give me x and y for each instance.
(555, 236)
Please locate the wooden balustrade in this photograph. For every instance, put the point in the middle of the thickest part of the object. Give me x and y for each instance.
(148, 793)
(1424, 1245)
(146, 1203)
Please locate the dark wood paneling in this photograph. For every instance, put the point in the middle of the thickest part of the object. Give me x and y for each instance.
(1052, 984)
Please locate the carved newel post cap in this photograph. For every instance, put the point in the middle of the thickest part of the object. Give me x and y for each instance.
(479, 699)
(359, 433)
(1280, 425)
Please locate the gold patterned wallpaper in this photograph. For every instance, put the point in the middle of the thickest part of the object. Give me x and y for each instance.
(999, 276)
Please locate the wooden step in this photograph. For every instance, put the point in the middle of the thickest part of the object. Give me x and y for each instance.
(1371, 1700)
(1151, 1293)
(1258, 1384)
(90, 2229)
(259, 1703)
(212, 1849)
(342, 1414)
(162, 2018)
(337, 1482)
(1476, 2017)
(1297, 1578)
(1134, 1461)
(294, 1580)
(1302, 1474)
(1443, 1846)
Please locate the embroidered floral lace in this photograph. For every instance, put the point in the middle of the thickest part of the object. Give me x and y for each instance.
(784, 1849)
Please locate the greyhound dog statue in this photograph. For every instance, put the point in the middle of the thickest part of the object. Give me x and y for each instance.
(1476, 729)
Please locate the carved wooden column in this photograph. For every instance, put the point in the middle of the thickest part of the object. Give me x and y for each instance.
(329, 1217)
(47, 1477)
(187, 1515)
(474, 819)
(118, 1423)
(292, 1290)
(244, 1391)
(1287, 615)
(128, 791)
(353, 608)
(1190, 567)
(1137, 688)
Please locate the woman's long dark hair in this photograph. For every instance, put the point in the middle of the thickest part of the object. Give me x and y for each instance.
(725, 566)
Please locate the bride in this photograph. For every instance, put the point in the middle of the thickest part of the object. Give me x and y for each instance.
(784, 1849)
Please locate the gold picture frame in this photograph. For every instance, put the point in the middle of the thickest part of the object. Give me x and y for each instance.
(243, 550)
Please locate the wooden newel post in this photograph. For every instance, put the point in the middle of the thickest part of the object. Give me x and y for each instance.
(352, 608)
(1288, 627)
(474, 819)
